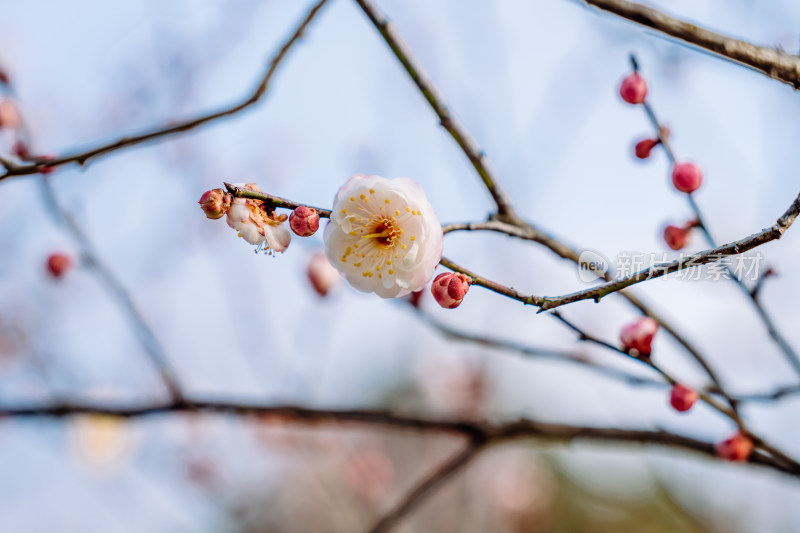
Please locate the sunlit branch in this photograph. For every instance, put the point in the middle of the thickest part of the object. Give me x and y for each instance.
(774, 63)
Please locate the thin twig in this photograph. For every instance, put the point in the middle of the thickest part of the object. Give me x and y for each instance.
(147, 338)
(274, 201)
(648, 362)
(436, 100)
(84, 156)
(540, 353)
(774, 63)
(430, 482)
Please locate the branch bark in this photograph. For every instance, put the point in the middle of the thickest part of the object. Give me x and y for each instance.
(775, 63)
(84, 156)
(478, 431)
(596, 293)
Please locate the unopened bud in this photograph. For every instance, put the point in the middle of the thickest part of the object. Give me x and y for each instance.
(322, 275)
(737, 448)
(643, 148)
(9, 115)
(449, 289)
(637, 336)
(687, 177)
(633, 89)
(304, 221)
(682, 397)
(58, 264)
(215, 203)
(676, 237)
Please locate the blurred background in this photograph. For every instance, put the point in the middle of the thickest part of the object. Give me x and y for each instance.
(536, 83)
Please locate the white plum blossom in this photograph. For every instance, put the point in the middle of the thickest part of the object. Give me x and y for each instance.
(383, 235)
(257, 225)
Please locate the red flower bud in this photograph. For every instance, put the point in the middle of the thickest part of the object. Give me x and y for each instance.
(215, 203)
(737, 448)
(449, 289)
(687, 177)
(638, 336)
(682, 398)
(304, 221)
(58, 264)
(633, 89)
(675, 237)
(643, 148)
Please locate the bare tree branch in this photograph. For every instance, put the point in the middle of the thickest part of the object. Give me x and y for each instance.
(84, 156)
(774, 63)
(529, 232)
(496, 432)
(428, 484)
(545, 303)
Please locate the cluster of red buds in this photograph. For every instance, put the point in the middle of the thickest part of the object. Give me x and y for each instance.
(637, 340)
(686, 176)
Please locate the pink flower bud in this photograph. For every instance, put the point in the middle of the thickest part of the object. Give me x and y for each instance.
(304, 221)
(643, 148)
(58, 264)
(675, 237)
(215, 203)
(449, 289)
(633, 89)
(682, 398)
(321, 274)
(638, 336)
(737, 448)
(9, 115)
(687, 177)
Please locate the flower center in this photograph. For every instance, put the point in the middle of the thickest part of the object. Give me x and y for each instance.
(385, 232)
